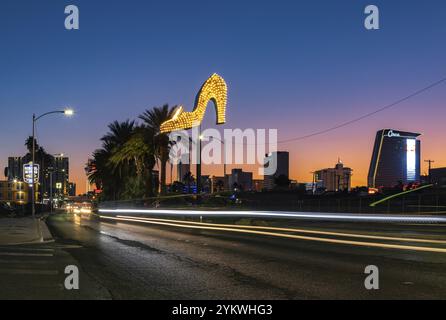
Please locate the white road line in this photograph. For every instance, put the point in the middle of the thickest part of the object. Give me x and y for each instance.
(30, 272)
(25, 249)
(23, 254)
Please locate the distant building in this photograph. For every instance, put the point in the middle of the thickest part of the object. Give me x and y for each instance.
(60, 179)
(335, 179)
(219, 183)
(14, 171)
(14, 192)
(182, 170)
(257, 185)
(395, 159)
(437, 176)
(71, 189)
(283, 164)
(53, 175)
(206, 183)
(240, 180)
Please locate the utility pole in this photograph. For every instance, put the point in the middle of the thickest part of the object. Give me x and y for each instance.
(430, 168)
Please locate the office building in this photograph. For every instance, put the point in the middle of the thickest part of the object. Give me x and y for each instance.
(335, 179)
(219, 183)
(71, 189)
(282, 162)
(395, 159)
(182, 170)
(240, 180)
(53, 176)
(60, 177)
(14, 170)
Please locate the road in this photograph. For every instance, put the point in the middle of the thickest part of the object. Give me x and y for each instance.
(135, 260)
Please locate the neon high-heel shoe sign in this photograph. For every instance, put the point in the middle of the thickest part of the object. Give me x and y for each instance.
(215, 90)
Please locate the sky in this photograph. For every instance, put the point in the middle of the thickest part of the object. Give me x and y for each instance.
(295, 66)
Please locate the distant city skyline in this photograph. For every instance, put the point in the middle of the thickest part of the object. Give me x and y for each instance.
(296, 66)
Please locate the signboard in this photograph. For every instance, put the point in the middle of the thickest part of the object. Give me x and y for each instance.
(27, 173)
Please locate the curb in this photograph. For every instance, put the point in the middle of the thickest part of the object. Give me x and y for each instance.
(44, 232)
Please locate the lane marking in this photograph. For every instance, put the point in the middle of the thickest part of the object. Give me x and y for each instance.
(350, 235)
(29, 272)
(28, 262)
(22, 254)
(25, 249)
(289, 236)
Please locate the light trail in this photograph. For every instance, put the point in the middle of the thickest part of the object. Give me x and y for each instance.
(288, 236)
(400, 194)
(284, 214)
(319, 232)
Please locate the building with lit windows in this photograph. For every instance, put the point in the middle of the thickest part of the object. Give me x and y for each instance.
(335, 179)
(53, 175)
(15, 168)
(60, 177)
(72, 189)
(14, 192)
(395, 159)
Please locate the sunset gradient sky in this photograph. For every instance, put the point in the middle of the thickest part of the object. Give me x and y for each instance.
(298, 66)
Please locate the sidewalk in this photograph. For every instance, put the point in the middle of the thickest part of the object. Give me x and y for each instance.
(15, 231)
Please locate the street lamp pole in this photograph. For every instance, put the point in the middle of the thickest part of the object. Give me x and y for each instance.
(66, 112)
(224, 155)
(33, 188)
(198, 169)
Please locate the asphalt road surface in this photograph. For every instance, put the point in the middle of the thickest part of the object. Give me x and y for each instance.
(136, 260)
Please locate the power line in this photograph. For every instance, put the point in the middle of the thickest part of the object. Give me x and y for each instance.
(386, 107)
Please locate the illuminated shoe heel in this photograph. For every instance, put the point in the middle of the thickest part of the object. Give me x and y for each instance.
(215, 90)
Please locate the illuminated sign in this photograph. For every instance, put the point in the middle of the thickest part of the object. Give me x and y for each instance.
(392, 134)
(411, 159)
(27, 173)
(215, 90)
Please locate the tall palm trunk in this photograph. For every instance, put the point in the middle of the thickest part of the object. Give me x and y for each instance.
(149, 184)
(164, 158)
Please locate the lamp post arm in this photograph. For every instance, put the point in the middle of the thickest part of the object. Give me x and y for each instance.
(47, 113)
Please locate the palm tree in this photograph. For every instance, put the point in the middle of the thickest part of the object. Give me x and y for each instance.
(153, 119)
(139, 151)
(111, 180)
(120, 133)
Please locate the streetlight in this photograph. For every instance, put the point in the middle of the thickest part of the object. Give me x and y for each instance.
(224, 153)
(68, 113)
